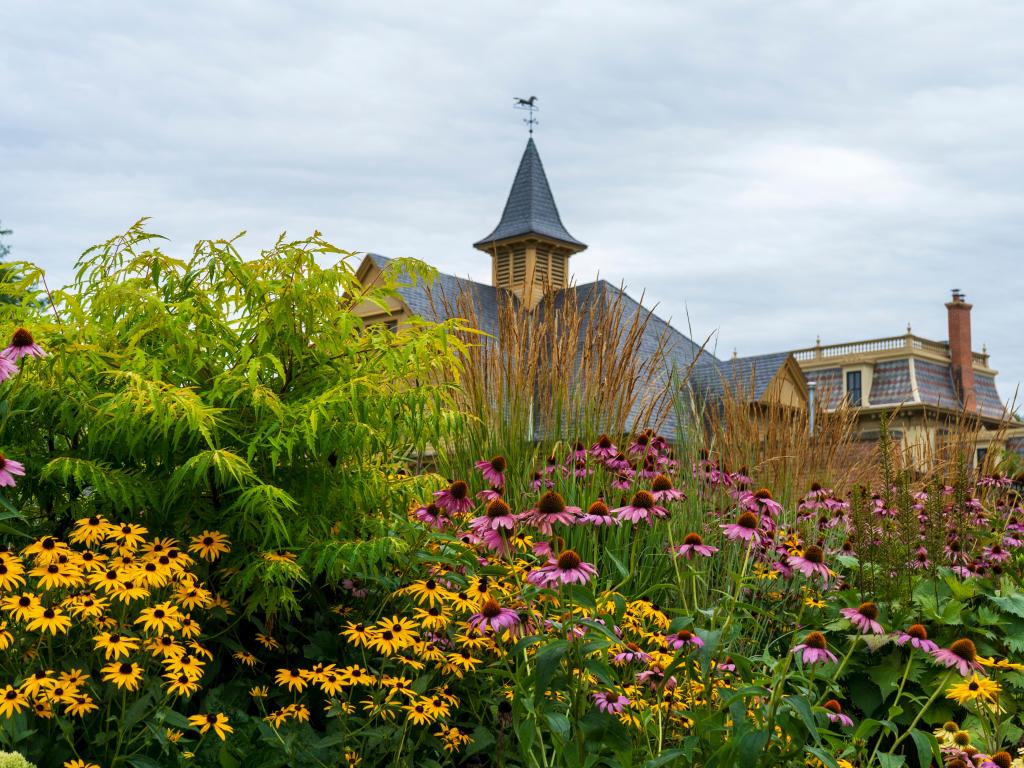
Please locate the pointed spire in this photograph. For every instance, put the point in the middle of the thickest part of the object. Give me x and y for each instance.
(530, 209)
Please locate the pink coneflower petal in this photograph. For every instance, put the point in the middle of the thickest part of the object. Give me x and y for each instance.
(7, 368)
(814, 650)
(567, 569)
(22, 345)
(494, 616)
(865, 618)
(9, 468)
(493, 470)
(455, 498)
(961, 655)
(693, 545)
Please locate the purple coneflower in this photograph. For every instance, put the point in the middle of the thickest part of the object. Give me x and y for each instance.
(604, 448)
(995, 554)
(641, 443)
(578, 453)
(917, 636)
(618, 462)
(623, 481)
(814, 649)
(551, 509)
(633, 652)
(579, 469)
(432, 515)
(22, 345)
(551, 465)
(496, 541)
(610, 703)
(692, 545)
(653, 678)
(811, 562)
(865, 618)
(662, 490)
(642, 507)
(539, 481)
(7, 368)
(455, 498)
(835, 713)
(961, 655)
(746, 528)
(761, 501)
(598, 514)
(490, 494)
(683, 638)
(493, 470)
(567, 569)
(494, 616)
(497, 515)
(9, 468)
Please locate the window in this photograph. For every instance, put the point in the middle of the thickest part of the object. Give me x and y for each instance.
(982, 453)
(853, 388)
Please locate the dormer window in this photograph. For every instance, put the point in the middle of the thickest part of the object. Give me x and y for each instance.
(853, 388)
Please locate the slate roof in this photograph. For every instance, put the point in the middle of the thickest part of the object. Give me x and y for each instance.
(988, 396)
(530, 208)
(829, 388)
(890, 383)
(748, 377)
(935, 385)
(417, 297)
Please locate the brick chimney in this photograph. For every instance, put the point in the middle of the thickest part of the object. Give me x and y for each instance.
(960, 355)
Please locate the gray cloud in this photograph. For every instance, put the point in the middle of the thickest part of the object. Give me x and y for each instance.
(775, 170)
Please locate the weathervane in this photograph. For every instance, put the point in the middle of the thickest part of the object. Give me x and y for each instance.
(530, 105)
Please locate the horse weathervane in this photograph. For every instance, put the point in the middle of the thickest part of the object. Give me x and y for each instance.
(530, 105)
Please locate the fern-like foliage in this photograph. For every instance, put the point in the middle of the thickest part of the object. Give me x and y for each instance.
(236, 393)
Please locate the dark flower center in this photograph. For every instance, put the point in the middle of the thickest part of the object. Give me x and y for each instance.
(52, 568)
(504, 708)
(598, 509)
(48, 613)
(158, 614)
(458, 490)
(816, 640)
(386, 635)
(642, 439)
(3, 569)
(996, 549)
(813, 554)
(125, 669)
(748, 520)
(498, 464)
(211, 719)
(763, 494)
(604, 441)
(833, 706)
(551, 503)
(917, 631)
(208, 541)
(816, 487)
(491, 608)
(964, 649)
(868, 611)
(94, 521)
(49, 543)
(661, 483)
(693, 539)
(643, 500)
(24, 602)
(1002, 759)
(11, 695)
(685, 635)
(568, 560)
(433, 510)
(22, 338)
(498, 508)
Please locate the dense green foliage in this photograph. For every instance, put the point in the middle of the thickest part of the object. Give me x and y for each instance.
(229, 393)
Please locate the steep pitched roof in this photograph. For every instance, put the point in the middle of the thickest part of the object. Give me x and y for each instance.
(418, 297)
(530, 209)
(748, 377)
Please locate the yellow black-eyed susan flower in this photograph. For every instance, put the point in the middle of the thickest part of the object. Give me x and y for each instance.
(115, 645)
(20, 606)
(417, 713)
(292, 678)
(357, 634)
(90, 530)
(210, 545)
(427, 592)
(216, 721)
(123, 674)
(52, 620)
(159, 618)
(180, 684)
(12, 701)
(246, 658)
(975, 689)
(11, 574)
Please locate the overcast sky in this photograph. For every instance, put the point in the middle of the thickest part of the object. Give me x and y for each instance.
(772, 170)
